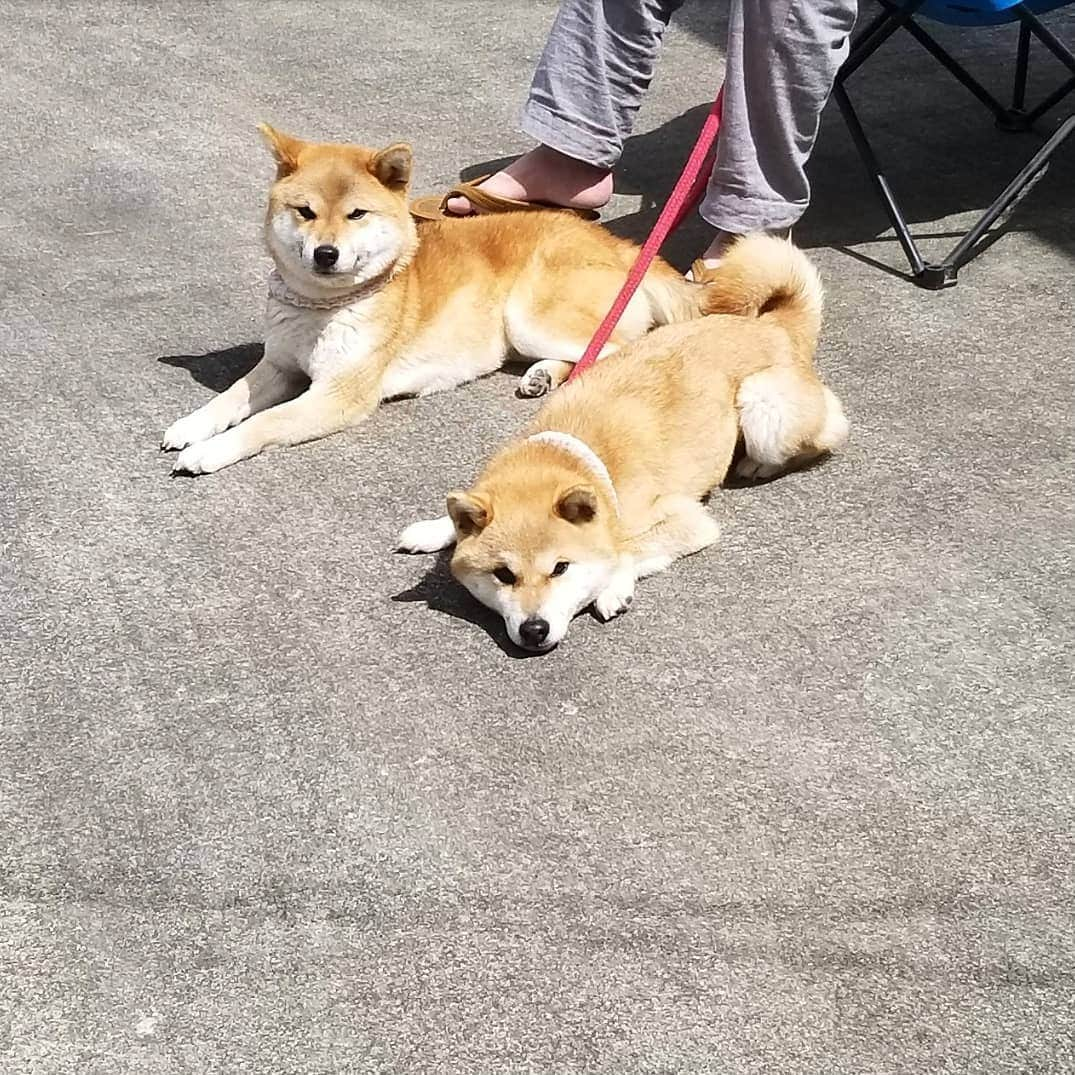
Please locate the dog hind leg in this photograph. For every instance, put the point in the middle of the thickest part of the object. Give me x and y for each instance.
(788, 418)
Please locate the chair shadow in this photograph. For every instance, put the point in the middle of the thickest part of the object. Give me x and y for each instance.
(440, 592)
(218, 370)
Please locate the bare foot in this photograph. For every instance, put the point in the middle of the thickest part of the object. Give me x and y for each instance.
(722, 242)
(544, 175)
(712, 254)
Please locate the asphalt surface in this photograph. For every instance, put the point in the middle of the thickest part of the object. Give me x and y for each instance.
(275, 800)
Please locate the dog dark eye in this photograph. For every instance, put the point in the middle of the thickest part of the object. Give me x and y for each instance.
(305, 212)
(502, 574)
(356, 214)
(560, 568)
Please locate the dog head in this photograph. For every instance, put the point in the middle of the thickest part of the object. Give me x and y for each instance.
(338, 214)
(537, 551)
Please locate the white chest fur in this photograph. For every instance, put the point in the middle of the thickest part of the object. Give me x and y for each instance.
(323, 344)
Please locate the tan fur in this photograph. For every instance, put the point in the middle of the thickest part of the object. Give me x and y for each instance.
(663, 415)
(453, 300)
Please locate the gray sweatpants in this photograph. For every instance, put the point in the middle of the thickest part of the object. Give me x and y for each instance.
(783, 56)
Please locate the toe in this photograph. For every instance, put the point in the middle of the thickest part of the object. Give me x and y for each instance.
(459, 206)
(613, 603)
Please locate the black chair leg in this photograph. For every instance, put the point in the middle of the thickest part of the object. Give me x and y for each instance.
(1012, 193)
(1022, 66)
(930, 275)
(1042, 32)
(1017, 118)
(877, 177)
(956, 70)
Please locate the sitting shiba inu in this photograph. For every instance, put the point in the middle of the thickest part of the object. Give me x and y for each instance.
(605, 486)
(364, 305)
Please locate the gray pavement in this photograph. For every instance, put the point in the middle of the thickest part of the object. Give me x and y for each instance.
(274, 800)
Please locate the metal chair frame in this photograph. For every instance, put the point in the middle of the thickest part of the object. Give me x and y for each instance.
(893, 17)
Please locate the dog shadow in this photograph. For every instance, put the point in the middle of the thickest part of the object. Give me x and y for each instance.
(440, 592)
(218, 370)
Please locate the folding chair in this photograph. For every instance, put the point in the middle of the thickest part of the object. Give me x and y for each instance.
(900, 15)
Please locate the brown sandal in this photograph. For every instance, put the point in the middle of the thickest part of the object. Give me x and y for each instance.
(432, 207)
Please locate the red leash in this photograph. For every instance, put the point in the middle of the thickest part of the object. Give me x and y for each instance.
(685, 196)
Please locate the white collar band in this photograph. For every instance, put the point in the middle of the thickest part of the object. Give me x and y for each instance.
(584, 454)
(279, 290)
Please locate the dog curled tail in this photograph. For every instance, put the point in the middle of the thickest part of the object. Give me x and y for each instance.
(787, 415)
(766, 277)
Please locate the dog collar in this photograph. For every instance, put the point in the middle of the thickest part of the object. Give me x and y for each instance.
(584, 454)
(279, 290)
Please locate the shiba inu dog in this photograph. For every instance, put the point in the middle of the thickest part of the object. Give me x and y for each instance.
(365, 305)
(605, 486)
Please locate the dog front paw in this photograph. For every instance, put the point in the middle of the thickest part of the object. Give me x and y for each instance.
(615, 599)
(430, 535)
(207, 457)
(189, 430)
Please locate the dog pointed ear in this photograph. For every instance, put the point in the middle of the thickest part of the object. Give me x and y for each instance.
(471, 514)
(577, 505)
(285, 149)
(392, 166)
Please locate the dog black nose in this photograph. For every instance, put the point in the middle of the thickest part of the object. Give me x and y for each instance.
(533, 632)
(326, 256)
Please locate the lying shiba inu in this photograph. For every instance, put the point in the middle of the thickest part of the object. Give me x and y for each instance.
(366, 306)
(605, 486)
